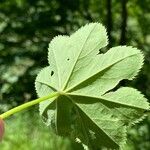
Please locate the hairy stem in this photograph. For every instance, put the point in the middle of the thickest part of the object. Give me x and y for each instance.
(26, 105)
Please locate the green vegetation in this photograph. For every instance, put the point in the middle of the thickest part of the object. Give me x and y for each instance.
(20, 136)
(26, 28)
(85, 108)
(25, 132)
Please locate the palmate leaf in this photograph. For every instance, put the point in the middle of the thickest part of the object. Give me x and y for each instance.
(86, 109)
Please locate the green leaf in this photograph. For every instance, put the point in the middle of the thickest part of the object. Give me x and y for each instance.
(86, 109)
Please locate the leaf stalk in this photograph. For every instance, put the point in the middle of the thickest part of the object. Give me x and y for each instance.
(27, 105)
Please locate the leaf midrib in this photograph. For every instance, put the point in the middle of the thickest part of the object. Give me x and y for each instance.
(67, 81)
(92, 120)
(88, 138)
(74, 86)
(51, 87)
(107, 100)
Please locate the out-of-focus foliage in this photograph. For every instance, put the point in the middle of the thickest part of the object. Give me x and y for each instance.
(30, 133)
(138, 137)
(27, 26)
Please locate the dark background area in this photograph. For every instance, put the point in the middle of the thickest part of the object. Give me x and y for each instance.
(26, 28)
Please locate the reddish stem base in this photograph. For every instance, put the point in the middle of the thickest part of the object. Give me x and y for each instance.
(2, 129)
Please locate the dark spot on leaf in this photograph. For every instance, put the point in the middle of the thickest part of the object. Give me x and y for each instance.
(68, 59)
(52, 72)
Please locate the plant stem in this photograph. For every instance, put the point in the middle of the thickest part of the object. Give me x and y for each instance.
(26, 105)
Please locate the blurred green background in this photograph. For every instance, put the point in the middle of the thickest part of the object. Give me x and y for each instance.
(26, 28)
